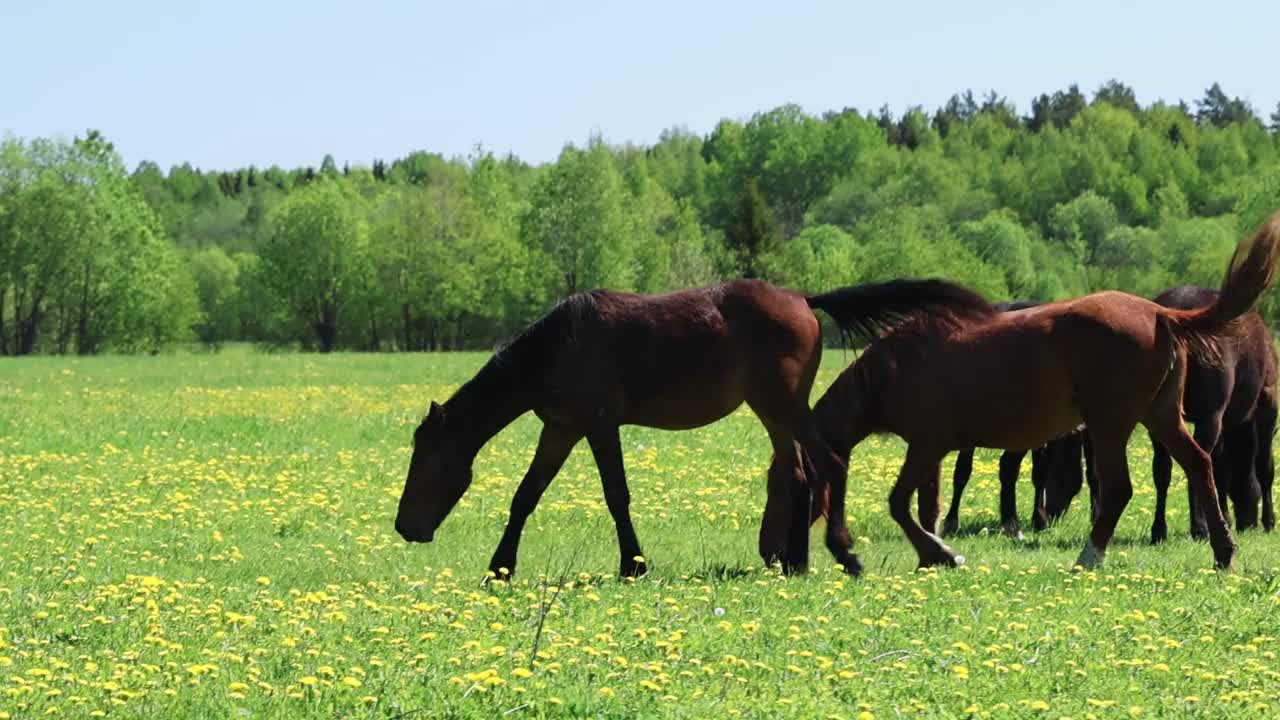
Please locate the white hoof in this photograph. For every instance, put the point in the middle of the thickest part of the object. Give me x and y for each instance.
(959, 560)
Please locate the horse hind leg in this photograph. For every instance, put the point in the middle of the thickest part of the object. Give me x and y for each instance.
(606, 446)
(959, 481)
(1114, 492)
(788, 418)
(784, 534)
(1239, 446)
(1164, 421)
(1161, 474)
(1207, 436)
(1264, 431)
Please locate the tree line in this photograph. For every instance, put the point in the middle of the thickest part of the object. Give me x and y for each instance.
(430, 253)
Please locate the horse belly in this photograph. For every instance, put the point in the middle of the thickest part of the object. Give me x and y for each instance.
(681, 396)
(680, 409)
(1016, 411)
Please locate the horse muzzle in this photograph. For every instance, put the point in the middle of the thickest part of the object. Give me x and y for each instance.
(415, 532)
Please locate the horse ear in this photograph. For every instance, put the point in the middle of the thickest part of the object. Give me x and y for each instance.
(436, 415)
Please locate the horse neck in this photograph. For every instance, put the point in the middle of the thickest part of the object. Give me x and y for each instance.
(486, 404)
(842, 413)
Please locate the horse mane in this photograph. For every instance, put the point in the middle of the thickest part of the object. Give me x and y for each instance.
(556, 326)
(529, 352)
(870, 311)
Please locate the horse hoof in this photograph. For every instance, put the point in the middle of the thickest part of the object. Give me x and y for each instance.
(1090, 556)
(632, 568)
(1159, 536)
(945, 558)
(503, 573)
(950, 527)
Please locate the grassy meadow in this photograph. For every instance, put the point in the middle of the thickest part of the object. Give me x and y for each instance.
(210, 536)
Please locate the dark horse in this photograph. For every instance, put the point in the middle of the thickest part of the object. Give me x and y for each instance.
(1018, 380)
(603, 359)
(1058, 456)
(1232, 404)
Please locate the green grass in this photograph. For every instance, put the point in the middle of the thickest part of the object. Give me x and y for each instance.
(210, 536)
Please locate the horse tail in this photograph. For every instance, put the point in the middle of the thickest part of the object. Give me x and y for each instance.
(1251, 271)
(864, 312)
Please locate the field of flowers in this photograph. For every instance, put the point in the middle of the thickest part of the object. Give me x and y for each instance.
(210, 536)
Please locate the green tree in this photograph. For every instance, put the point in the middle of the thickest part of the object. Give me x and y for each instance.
(576, 226)
(999, 241)
(216, 277)
(314, 257)
(1118, 95)
(820, 258)
(1082, 224)
(1218, 109)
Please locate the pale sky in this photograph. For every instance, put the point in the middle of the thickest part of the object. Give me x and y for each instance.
(284, 82)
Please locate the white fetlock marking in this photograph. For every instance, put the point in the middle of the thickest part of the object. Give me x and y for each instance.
(1090, 556)
(959, 560)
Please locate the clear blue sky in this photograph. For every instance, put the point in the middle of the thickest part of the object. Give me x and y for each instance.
(231, 83)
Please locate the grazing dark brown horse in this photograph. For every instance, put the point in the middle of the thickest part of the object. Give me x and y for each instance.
(1055, 457)
(1232, 403)
(1018, 380)
(603, 359)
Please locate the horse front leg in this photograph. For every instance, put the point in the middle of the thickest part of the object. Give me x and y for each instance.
(784, 534)
(959, 481)
(606, 446)
(1010, 464)
(554, 446)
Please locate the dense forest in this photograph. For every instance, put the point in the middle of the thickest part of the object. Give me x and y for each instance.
(426, 252)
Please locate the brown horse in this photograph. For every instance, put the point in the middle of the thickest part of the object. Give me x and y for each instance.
(1232, 404)
(603, 359)
(1018, 380)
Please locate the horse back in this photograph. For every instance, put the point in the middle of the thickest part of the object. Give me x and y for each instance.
(686, 358)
